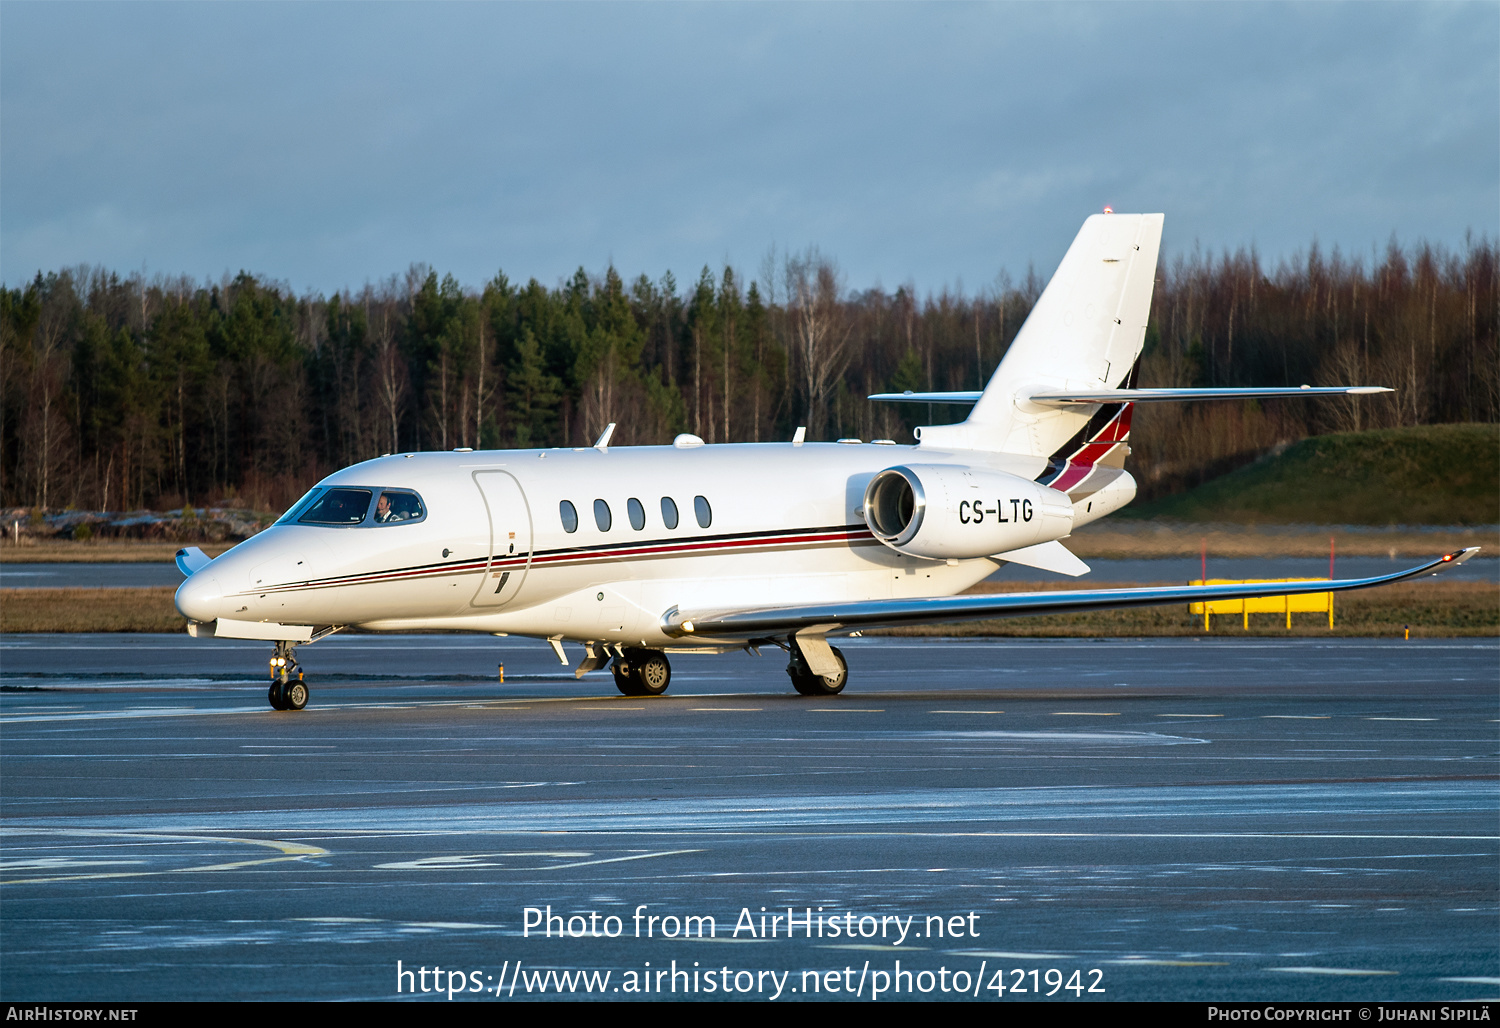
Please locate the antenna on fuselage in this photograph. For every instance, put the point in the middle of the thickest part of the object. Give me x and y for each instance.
(799, 435)
(603, 444)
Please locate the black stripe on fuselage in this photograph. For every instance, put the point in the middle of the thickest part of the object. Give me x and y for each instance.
(644, 549)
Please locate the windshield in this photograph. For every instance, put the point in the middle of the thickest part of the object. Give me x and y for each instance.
(338, 507)
(295, 510)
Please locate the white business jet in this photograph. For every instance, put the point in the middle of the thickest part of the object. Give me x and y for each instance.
(642, 551)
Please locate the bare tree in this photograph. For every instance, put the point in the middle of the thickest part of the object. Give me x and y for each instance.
(390, 377)
(819, 328)
(45, 426)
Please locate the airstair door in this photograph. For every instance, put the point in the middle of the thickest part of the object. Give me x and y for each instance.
(510, 538)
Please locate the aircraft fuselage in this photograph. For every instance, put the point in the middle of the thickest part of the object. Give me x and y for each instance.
(755, 524)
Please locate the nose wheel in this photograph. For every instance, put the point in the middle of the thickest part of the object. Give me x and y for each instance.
(288, 689)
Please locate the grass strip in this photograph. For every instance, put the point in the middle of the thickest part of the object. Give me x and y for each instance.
(1431, 608)
(97, 551)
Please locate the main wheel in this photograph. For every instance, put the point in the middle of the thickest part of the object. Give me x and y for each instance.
(642, 673)
(623, 679)
(294, 696)
(809, 683)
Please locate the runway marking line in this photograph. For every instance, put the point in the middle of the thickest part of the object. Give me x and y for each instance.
(291, 851)
(466, 861)
(339, 920)
(1347, 971)
(1190, 715)
(619, 860)
(1007, 954)
(1085, 713)
(846, 710)
(1296, 717)
(1169, 963)
(1401, 719)
(717, 709)
(966, 712)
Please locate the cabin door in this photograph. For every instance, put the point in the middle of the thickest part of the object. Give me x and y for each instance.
(510, 538)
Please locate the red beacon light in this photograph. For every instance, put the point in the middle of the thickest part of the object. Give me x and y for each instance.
(1109, 210)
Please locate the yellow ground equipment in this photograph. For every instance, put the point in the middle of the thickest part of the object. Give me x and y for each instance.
(1315, 603)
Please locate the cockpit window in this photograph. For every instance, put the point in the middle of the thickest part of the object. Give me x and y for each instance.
(338, 507)
(297, 509)
(397, 505)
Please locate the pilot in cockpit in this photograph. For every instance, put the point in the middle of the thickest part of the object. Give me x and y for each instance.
(397, 506)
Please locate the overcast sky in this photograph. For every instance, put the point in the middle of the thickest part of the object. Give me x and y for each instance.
(327, 145)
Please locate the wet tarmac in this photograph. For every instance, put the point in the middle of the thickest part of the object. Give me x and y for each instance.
(1171, 819)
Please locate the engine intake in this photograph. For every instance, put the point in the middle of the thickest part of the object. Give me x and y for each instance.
(944, 511)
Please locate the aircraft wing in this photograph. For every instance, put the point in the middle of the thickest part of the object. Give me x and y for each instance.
(824, 618)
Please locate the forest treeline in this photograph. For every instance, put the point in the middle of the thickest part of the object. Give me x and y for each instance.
(123, 393)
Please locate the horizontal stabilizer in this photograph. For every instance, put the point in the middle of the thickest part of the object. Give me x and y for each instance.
(1051, 556)
(1181, 395)
(825, 618)
(190, 559)
(911, 397)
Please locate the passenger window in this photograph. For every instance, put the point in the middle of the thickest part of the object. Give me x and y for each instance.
(569, 515)
(701, 508)
(338, 507)
(601, 515)
(637, 513)
(397, 505)
(668, 512)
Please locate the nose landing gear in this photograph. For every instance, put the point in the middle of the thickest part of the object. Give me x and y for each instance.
(288, 690)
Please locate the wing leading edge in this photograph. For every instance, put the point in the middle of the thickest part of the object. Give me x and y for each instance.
(825, 618)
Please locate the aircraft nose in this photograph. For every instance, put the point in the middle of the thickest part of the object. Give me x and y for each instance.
(198, 598)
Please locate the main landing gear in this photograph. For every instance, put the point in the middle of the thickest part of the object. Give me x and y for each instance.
(288, 690)
(808, 682)
(642, 672)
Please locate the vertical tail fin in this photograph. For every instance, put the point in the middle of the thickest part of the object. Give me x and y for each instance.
(1085, 332)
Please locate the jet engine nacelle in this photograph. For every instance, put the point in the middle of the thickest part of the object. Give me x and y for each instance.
(947, 511)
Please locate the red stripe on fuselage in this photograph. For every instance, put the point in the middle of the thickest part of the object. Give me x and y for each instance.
(793, 539)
